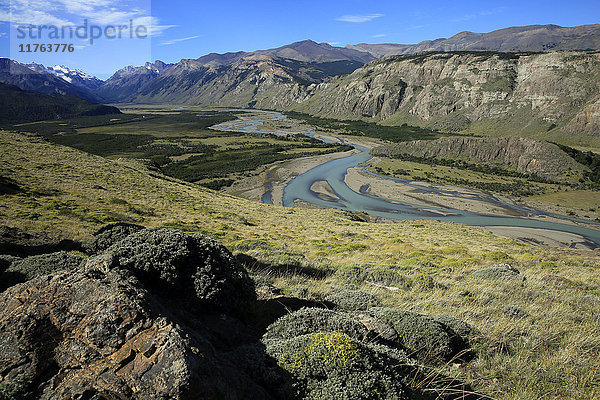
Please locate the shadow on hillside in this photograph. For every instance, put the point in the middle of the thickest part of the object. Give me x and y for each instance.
(287, 269)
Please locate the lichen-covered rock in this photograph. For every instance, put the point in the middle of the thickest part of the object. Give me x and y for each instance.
(174, 263)
(109, 235)
(332, 365)
(314, 320)
(100, 334)
(22, 270)
(353, 300)
(499, 272)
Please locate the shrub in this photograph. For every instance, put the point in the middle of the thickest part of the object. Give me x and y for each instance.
(30, 267)
(313, 320)
(174, 263)
(351, 273)
(499, 272)
(422, 282)
(386, 277)
(109, 235)
(6, 260)
(353, 300)
(497, 256)
(332, 365)
(422, 336)
(514, 312)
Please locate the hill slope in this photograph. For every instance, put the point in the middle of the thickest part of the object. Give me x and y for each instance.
(259, 81)
(312, 254)
(26, 78)
(531, 38)
(553, 96)
(213, 78)
(523, 155)
(17, 106)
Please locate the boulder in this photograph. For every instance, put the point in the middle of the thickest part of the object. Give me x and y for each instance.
(100, 333)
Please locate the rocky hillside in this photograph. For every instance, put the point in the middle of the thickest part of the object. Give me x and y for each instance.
(36, 79)
(18, 106)
(272, 78)
(128, 80)
(156, 313)
(259, 81)
(523, 155)
(534, 38)
(489, 93)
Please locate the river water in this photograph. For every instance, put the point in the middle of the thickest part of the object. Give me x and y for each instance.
(334, 172)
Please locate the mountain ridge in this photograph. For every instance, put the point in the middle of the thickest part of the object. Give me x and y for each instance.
(529, 38)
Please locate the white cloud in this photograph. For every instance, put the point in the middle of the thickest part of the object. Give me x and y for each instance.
(173, 41)
(414, 27)
(484, 13)
(73, 12)
(153, 25)
(379, 35)
(359, 18)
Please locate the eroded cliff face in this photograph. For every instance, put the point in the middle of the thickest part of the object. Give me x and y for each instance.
(523, 155)
(485, 92)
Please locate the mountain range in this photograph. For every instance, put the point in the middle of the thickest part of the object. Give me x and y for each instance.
(531, 38)
(73, 76)
(513, 79)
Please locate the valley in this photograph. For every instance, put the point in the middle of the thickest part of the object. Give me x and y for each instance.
(267, 157)
(308, 221)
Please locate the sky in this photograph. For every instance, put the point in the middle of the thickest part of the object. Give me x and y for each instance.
(171, 30)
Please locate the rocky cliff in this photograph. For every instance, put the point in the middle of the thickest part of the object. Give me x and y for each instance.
(523, 155)
(489, 93)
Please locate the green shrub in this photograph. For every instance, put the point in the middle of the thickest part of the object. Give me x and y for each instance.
(351, 273)
(30, 267)
(172, 262)
(386, 277)
(332, 365)
(6, 260)
(353, 300)
(422, 282)
(499, 272)
(313, 320)
(497, 256)
(109, 235)
(424, 337)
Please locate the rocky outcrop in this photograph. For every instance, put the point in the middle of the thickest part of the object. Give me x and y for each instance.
(481, 92)
(103, 333)
(163, 314)
(523, 155)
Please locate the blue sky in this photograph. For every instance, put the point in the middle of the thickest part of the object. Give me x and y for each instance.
(188, 29)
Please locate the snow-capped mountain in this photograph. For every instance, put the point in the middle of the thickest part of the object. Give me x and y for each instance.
(73, 76)
(129, 80)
